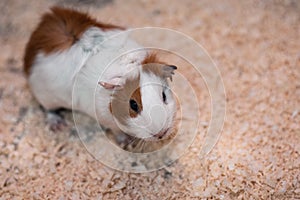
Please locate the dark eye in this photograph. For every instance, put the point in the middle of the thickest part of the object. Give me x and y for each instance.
(164, 96)
(133, 105)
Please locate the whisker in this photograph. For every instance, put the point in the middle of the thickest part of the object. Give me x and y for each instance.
(139, 146)
(143, 145)
(134, 139)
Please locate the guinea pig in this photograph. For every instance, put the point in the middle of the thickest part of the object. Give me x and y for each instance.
(69, 64)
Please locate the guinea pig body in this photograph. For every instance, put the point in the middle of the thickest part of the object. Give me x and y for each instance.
(72, 63)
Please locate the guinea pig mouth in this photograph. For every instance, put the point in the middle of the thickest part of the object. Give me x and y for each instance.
(161, 134)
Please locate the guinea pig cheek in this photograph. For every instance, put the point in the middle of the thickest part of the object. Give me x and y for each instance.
(158, 120)
(152, 122)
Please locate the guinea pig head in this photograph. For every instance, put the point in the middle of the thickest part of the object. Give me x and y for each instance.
(143, 105)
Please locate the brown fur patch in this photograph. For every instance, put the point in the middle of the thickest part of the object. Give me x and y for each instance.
(151, 64)
(58, 31)
(151, 58)
(136, 95)
(120, 100)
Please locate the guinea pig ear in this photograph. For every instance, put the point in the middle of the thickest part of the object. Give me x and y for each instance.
(114, 83)
(168, 71)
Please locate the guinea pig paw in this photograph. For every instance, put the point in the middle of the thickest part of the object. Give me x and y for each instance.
(55, 121)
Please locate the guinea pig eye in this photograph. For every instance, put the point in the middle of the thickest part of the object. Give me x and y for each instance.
(133, 105)
(164, 97)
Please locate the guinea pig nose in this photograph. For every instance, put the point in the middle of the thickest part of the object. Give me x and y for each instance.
(158, 117)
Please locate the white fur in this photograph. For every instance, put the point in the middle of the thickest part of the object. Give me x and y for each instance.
(54, 77)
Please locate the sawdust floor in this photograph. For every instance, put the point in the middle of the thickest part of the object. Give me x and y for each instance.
(256, 46)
